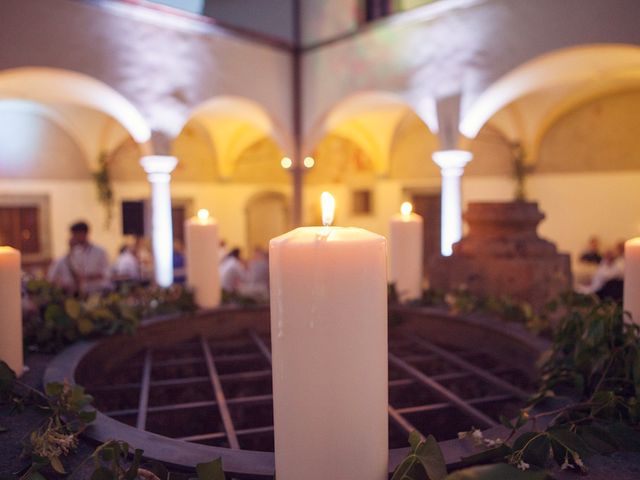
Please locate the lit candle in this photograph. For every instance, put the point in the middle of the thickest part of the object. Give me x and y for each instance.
(631, 296)
(202, 259)
(10, 309)
(329, 347)
(405, 253)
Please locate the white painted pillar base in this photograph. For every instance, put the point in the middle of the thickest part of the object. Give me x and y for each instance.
(451, 163)
(158, 169)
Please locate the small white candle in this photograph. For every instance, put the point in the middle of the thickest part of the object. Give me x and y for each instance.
(405, 253)
(329, 346)
(202, 259)
(631, 296)
(11, 310)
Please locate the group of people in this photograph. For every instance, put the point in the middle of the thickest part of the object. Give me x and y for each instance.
(85, 268)
(249, 278)
(607, 269)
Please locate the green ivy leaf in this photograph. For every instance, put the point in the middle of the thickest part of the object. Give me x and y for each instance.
(626, 437)
(88, 416)
(54, 389)
(132, 473)
(535, 448)
(570, 440)
(492, 455)
(211, 470)
(431, 458)
(56, 464)
(499, 471)
(506, 422)
(85, 325)
(597, 439)
(102, 473)
(72, 308)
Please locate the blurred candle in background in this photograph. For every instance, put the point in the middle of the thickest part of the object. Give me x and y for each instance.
(202, 259)
(405, 253)
(329, 347)
(11, 310)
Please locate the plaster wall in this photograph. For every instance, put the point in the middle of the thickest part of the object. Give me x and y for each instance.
(71, 200)
(164, 64)
(457, 46)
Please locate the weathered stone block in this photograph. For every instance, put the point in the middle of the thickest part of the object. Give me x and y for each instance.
(503, 255)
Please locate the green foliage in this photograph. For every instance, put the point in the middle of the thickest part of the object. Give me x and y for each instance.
(66, 416)
(462, 301)
(499, 471)
(425, 460)
(591, 374)
(211, 470)
(54, 319)
(102, 178)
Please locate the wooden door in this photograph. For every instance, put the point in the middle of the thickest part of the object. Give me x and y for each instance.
(428, 205)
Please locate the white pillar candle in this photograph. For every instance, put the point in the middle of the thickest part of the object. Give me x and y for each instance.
(202, 259)
(329, 346)
(631, 296)
(159, 168)
(451, 163)
(405, 253)
(11, 310)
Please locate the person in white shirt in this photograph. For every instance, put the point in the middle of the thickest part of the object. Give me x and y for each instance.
(232, 272)
(126, 268)
(85, 269)
(610, 268)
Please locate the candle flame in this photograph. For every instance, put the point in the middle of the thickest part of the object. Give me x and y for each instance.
(406, 208)
(203, 214)
(328, 208)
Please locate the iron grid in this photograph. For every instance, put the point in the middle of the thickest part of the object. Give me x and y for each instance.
(218, 392)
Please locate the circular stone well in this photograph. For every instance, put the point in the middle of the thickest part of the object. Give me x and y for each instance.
(188, 389)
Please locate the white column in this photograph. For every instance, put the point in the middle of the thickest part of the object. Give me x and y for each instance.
(451, 163)
(159, 168)
(631, 295)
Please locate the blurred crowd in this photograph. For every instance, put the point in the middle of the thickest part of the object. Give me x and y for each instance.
(601, 270)
(85, 267)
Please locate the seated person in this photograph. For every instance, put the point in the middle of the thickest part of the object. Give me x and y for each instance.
(232, 272)
(85, 268)
(609, 269)
(592, 253)
(126, 268)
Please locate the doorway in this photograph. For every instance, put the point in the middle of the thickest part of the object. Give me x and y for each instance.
(428, 206)
(267, 217)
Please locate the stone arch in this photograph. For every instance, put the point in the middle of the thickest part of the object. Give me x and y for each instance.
(232, 125)
(95, 115)
(369, 119)
(527, 101)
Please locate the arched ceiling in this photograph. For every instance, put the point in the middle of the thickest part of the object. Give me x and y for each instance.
(94, 114)
(370, 120)
(526, 103)
(233, 125)
(92, 132)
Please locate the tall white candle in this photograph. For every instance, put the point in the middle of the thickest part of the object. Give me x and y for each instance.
(631, 296)
(10, 309)
(405, 253)
(329, 346)
(202, 259)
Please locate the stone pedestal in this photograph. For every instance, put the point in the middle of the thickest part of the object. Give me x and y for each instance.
(503, 255)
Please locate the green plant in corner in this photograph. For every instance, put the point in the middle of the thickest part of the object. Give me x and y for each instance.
(102, 178)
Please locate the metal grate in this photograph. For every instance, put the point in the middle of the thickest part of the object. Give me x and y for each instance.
(218, 392)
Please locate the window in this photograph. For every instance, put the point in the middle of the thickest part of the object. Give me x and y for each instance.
(24, 225)
(362, 204)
